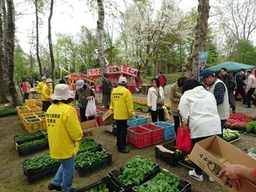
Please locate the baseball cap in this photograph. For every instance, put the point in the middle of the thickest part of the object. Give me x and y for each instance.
(122, 81)
(61, 92)
(79, 84)
(205, 74)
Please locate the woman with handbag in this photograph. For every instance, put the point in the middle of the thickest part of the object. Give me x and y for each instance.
(155, 101)
(198, 110)
(83, 94)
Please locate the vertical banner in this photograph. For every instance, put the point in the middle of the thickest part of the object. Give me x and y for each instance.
(203, 56)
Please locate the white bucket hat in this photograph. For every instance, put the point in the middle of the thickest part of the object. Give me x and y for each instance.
(62, 92)
(122, 81)
(80, 84)
(48, 80)
(43, 78)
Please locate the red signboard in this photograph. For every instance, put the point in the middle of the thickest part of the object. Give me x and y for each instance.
(113, 69)
(93, 72)
(129, 70)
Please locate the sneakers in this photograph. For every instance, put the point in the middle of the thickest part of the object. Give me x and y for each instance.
(195, 176)
(54, 187)
(211, 179)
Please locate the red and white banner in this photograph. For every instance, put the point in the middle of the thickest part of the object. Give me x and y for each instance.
(93, 72)
(129, 70)
(113, 69)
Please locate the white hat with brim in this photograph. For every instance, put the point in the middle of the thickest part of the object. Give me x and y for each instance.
(80, 84)
(48, 80)
(43, 78)
(62, 92)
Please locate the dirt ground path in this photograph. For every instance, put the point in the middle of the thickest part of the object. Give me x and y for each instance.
(12, 178)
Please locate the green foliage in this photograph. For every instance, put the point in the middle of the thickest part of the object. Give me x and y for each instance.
(245, 52)
(7, 112)
(251, 127)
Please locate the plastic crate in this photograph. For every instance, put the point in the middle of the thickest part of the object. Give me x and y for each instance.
(157, 133)
(34, 126)
(139, 136)
(38, 102)
(34, 175)
(30, 102)
(35, 109)
(28, 137)
(171, 157)
(142, 119)
(115, 173)
(135, 121)
(81, 171)
(33, 149)
(184, 186)
(22, 110)
(107, 181)
(98, 146)
(169, 132)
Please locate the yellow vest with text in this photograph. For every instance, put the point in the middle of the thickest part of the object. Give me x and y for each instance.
(64, 130)
(121, 103)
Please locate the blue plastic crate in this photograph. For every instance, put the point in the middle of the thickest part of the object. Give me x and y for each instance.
(133, 122)
(169, 132)
(142, 120)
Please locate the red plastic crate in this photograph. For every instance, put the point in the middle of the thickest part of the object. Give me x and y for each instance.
(139, 136)
(157, 133)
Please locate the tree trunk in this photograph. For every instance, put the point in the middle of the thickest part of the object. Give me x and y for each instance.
(37, 39)
(200, 39)
(50, 41)
(3, 98)
(9, 51)
(100, 35)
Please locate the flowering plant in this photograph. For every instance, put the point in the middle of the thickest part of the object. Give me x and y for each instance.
(238, 120)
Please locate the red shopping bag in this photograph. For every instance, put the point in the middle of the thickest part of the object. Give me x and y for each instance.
(183, 140)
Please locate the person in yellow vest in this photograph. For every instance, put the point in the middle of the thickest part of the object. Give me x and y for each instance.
(46, 94)
(122, 106)
(40, 85)
(64, 133)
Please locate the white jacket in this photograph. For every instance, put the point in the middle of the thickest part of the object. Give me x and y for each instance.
(152, 97)
(198, 109)
(251, 82)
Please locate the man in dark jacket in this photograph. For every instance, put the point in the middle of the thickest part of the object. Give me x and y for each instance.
(231, 86)
(106, 89)
(240, 77)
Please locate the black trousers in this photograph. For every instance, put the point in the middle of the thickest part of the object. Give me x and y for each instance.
(198, 170)
(157, 114)
(176, 123)
(83, 117)
(121, 133)
(242, 92)
(46, 105)
(250, 98)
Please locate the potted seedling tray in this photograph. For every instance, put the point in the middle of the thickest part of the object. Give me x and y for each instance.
(89, 145)
(40, 167)
(164, 181)
(135, 172)
(105, 184)
(19, 139)
(88, 161)
(168, 153)
(29, 147)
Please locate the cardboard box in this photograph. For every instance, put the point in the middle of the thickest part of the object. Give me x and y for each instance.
(90, 129)
(214, 153)
(108, 116)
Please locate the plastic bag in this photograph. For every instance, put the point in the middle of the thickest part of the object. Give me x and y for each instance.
(90, 108)
(166, 114)
(183, 140)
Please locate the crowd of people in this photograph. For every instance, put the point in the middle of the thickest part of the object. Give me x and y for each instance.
(195, 106)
